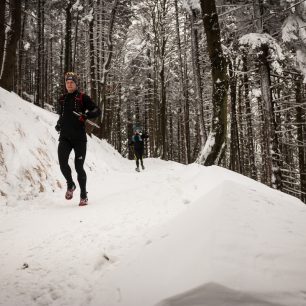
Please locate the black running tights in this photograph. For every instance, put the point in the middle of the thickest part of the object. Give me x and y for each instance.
(64, 149)
(138, 155)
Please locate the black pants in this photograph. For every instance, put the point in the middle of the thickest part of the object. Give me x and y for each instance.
(64, 149)
(138, 156)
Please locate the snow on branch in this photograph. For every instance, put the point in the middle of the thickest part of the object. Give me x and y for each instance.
(191, 5)
(290, 30)
(294, 34)
(253, 42)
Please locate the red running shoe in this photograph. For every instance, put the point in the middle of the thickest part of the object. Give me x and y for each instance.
(69, 192)
(83, 202)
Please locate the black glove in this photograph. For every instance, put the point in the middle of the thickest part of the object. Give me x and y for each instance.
(58, 127)
(93, 113)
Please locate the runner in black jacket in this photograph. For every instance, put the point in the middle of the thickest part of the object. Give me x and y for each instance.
(73, 135)
(137, 142)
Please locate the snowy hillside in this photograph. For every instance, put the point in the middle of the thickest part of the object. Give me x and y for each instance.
(170, 235)
(28, 151)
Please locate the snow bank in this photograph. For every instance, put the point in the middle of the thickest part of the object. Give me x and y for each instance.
(28, 151)
(239, 242)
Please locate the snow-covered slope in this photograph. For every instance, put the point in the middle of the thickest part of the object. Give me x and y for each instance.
(235, 245)
(28, 151)
(170, 235)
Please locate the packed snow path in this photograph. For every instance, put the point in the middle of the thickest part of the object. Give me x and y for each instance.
(67, 247)
(154, 235)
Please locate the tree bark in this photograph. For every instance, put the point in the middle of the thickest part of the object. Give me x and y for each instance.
(68, 48)
(13, 35)
(92, 69)
(2, 31)
(183, 89)
(212, 151)
(186, 101)
(163, 104)
(197, 77)
(250, 137)
(234, 145)
(106, 66)
(38, 73)
(20, 82)
(241, 130)
(300, 118)
(272, 148)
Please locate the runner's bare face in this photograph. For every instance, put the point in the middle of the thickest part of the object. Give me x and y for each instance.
(70, 86)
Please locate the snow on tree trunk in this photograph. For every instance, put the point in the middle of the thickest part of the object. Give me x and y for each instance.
(267, 50)
(197, 75)
(215, 143)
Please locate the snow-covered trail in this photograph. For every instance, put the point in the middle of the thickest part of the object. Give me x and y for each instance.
(65, 245)
(56, 253)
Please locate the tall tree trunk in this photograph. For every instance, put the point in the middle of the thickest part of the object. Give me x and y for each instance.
(163, 97)
(248, 111)
(215, 144)
(119, 132)
(20, 53)
(272, 148)
(151, 106)
(92, 69)
(241, 130)
(106, 66)
(43, 84)
(129, 129)
(186, 100)
(234, 145)
(179, 154)
(258, 14)
(62, 59)
(197, 76)
(171, 140)
(100, 48)
(2, 31)
(75, 40)
(38, 73)
(300, 119)
(52, 95)
(183, 89)
(68, 49)
(13, 35)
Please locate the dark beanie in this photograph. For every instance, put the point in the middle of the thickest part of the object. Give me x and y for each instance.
(73, 77)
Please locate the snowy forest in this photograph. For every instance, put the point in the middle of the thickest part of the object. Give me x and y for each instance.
(214, 82)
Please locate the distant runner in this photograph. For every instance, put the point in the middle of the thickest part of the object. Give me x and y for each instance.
(137, 142)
